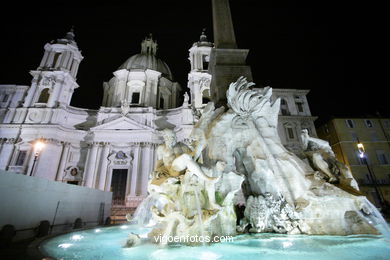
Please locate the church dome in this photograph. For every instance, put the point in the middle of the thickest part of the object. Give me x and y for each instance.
(147, 59)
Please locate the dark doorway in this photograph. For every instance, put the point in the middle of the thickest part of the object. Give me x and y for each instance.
(73, 182)
(135, 98)
(118, 186)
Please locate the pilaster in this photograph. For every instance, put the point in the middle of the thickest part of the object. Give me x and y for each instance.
(90, 165)
(103, 167)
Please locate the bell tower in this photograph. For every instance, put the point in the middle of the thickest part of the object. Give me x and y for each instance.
(54, 80)
(198, 78)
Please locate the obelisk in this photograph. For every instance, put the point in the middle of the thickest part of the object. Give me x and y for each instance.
(227, 62)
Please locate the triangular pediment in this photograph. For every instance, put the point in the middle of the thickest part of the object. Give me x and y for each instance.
(121, 123)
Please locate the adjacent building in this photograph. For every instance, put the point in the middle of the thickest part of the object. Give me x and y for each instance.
(113, 148)
(344, 134)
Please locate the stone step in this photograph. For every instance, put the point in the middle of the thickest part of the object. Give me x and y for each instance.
(118, 214)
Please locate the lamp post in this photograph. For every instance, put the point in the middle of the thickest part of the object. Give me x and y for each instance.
(362, 155)
(38, 146)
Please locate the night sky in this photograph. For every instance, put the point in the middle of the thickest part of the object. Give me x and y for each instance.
(326, 48)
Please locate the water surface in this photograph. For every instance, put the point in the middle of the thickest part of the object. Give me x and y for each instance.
(107, 243)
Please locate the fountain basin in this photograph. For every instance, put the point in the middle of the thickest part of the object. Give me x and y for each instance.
(107, 243)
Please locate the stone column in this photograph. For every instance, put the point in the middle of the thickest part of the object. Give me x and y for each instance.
(76, 69)
(6, 153)
(147, 161)
(50, 59)
(69, 61)
(64, 157)
(90, 166)
(43, 61)
(134, 172)
(142, 168)
(103, 167)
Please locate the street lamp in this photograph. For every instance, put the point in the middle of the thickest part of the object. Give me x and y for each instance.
(38, 146)
(362, 155)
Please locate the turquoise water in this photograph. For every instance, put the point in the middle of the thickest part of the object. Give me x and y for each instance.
(107, 243)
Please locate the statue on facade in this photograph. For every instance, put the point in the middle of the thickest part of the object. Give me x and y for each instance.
(186, 99)
(125, 107)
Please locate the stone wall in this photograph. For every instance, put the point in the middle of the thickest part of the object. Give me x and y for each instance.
(25, 201)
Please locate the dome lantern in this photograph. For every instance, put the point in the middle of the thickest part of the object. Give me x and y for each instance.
(149, 46)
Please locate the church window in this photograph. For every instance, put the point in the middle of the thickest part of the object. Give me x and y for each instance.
(5, 98)
(350, 123)
(44, 96)
(290, 133)
(135, 98)
(205, 62)
(284, 107)
(161, 103)
(300, 106)
(21, 158)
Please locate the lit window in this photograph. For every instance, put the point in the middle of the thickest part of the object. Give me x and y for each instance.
(21, 158)
(350, 123)
(368, 123)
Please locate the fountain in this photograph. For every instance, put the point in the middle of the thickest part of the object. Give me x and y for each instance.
(293, 208)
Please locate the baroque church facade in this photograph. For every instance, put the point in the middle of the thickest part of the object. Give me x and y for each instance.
(114, 148)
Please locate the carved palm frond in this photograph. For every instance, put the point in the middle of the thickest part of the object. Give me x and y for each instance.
(246, 102)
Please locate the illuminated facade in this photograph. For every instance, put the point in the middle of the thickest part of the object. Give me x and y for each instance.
(113, 148)
(344, 134)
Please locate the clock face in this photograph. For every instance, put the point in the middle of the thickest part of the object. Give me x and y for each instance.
(73, 172)
(121, 155)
